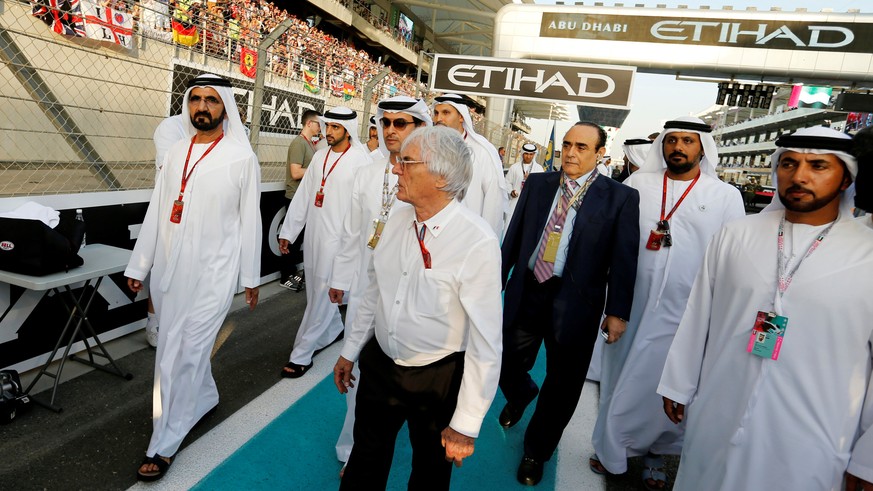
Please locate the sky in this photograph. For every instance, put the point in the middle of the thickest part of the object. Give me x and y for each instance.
(658, 98)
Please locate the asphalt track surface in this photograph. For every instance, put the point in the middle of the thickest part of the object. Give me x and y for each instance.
(99, 439)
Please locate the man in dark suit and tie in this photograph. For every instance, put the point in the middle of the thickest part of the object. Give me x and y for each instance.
(574, 233)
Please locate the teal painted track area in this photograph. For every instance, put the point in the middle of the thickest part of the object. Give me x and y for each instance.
(296, 450)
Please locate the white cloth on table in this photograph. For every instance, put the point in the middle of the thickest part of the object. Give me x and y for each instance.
(31, 210)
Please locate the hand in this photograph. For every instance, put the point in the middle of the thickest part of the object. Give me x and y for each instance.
(336, 296)
(674, 410)
(252, 297)
(615, 326)
(342, 375)
(283, 246)
(854, 483)
(134, 285)
(458, 446)
(514, 194)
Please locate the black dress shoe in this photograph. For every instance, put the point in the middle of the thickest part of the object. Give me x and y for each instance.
(511, 413)
(530, 471)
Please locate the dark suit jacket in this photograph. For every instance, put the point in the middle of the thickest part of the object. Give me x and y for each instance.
(602, 253)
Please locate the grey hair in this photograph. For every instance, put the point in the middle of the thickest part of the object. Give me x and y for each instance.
(447, 156)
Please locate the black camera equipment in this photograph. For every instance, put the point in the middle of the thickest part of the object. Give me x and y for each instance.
(13, 402)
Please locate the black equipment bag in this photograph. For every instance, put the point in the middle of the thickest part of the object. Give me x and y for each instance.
(31, 247)
(13, 401)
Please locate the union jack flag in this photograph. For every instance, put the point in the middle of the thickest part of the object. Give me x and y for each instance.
(63, 16)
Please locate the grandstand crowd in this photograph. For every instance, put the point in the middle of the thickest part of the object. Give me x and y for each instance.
(223, 29)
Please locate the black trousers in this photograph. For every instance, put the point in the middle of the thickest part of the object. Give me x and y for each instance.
(288, 262)
(566, 367)
(389, 395)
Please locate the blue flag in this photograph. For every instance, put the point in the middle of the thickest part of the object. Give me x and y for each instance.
(549, 162)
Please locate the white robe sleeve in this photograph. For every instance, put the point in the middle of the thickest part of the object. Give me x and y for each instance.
(861, 460)
(143, 257)
(495, 199)
(348, 261)
(295, 218)
(250, 224)
(513, 178)
(685, 359)
(363, 327)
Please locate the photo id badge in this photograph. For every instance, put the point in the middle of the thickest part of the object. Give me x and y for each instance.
(766, 338)
(551, 251)
(319, 199)
(176, 212)
(655, 239)
(378, 226)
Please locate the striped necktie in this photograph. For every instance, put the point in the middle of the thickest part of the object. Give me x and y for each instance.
(543, 270)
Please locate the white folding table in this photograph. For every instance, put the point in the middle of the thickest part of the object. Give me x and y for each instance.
(100, 260)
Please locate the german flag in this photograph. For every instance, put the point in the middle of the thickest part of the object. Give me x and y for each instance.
(183, 35)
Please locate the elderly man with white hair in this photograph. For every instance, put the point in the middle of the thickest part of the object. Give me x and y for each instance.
(773, 354)
(682, 205)
(518, 174)
(200, 236)
(321, 203)
(374, 199)
(488, 192)
(428, 332)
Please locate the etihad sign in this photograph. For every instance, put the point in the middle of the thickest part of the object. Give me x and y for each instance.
(742, 33)
(575, 83)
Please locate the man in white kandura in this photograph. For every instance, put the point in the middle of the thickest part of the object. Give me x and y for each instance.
(373, 201)
(428, 331)
(373, 142)
(321, 203)
(773, 354)
(635, 152)
(488, 193)
(517, 175)
(201, 237)
(682, 205)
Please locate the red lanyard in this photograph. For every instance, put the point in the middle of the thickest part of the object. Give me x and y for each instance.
(425, 254)
(324, 166)
(185, 174)
(676, 206)
(308, 141)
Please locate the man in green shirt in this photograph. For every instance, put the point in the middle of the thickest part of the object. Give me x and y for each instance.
(300, 153)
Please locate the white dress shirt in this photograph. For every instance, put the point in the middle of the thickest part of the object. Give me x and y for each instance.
(420, 316)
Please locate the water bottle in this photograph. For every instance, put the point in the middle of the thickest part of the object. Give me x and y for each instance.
(81, 218)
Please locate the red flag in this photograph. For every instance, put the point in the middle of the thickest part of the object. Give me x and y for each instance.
(248, 62)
